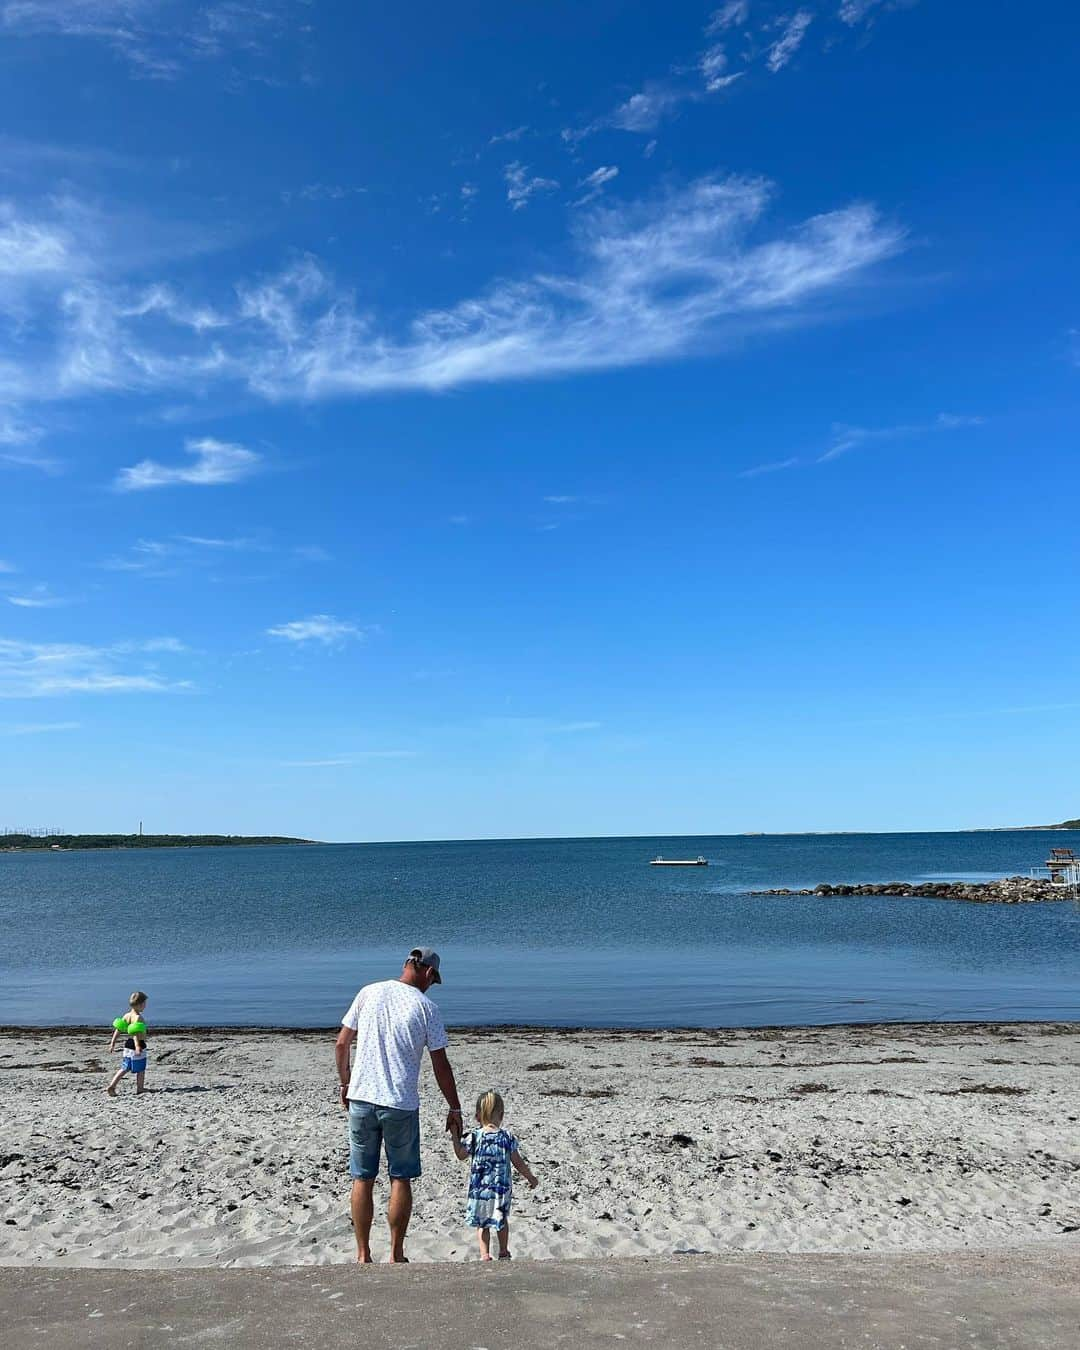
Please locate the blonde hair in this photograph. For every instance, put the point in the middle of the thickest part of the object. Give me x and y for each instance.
(490, 1108)
(137, 997)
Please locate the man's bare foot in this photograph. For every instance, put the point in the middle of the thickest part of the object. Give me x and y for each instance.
(364, 1259)
(399, 1260)
(505, 1256)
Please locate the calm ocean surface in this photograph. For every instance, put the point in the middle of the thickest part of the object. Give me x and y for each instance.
(563, 932)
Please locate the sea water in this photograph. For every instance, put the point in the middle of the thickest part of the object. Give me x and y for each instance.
(563, 932)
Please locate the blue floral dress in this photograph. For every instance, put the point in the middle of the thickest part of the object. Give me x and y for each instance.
(490, 1184)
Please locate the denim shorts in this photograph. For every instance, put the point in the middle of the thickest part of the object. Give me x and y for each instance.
(370, 1128)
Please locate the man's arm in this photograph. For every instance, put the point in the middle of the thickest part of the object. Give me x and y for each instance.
(444, 1076)
(342, 1047)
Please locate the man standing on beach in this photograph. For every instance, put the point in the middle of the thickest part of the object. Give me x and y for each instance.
(391, 1022)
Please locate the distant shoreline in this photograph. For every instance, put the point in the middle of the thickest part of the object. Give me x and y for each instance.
(115, 843)
(96, 843)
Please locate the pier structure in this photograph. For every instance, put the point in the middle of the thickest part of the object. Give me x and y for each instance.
(1063, 868)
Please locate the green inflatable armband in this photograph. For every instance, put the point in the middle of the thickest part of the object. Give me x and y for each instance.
(119, 1023)
(136, 1028)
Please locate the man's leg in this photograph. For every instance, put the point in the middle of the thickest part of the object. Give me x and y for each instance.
(365, 1142)
(398, 1216)
(504, 1241)
(401, 1135)
(363, 1210)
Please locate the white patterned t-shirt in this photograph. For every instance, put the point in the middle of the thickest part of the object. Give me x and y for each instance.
(393, 1023)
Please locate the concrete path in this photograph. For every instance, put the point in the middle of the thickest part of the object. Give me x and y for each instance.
(1028, 1299)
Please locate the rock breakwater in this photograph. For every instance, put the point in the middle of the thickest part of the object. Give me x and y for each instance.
(1007, 891)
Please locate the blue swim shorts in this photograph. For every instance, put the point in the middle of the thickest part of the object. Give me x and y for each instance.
(134, 1063)
(370, 1128)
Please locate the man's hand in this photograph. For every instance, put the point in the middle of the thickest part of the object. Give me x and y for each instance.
(453, 1125)
(343, 1096)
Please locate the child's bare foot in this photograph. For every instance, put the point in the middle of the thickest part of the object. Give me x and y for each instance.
(110, 1092)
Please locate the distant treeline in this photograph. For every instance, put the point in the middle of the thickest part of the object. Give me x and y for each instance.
(141, 840)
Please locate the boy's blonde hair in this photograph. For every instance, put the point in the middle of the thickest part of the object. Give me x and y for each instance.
(490, 1108)
(137, 997)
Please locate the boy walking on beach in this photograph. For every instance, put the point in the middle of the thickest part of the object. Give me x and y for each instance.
(133, 1028)
(391, 1022)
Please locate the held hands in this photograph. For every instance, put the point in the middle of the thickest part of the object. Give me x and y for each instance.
(453, 1125)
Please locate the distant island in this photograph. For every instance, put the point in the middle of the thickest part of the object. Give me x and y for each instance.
(70, 841)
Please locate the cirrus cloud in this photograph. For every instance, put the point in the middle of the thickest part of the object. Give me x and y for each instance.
(321, 628)
(43, 669)
(215, 462)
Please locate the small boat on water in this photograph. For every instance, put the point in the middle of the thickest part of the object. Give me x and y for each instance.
(679, 862)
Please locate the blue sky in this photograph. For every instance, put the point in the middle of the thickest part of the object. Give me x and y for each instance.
(537, 419)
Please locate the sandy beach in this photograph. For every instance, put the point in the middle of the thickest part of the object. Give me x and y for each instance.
(837, 1139)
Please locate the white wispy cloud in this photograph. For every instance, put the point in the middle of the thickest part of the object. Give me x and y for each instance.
(321, 628)
(595, 182)
(854, 11)
(504, 137)
(790, 40)
(7, 566)
(215, 462)
(352, 758)
(520, 187)
(237, 545)
(19, 444)
(29, 249)
(774, 466)
(645, 281)
(544, 726)
(713, 66)
(37, 728)
(653, 280)
(311, 553)
(38, 597)
(731, 15)
(44, 669)
(157, 38)
(644, 111)
(848, 438)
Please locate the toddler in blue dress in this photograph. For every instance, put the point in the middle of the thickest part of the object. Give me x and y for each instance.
(493, 1151)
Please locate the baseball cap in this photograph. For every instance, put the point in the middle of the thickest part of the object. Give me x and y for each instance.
(425, 956)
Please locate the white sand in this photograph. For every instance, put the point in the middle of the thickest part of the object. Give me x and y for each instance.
(238, 1156)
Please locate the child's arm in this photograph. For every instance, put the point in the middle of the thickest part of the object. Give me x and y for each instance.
(112, 1043)
(523, 1169)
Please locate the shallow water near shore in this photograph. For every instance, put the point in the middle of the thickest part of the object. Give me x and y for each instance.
(558, 932)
